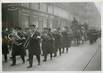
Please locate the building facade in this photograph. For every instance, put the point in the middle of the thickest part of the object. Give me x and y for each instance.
(40, 14)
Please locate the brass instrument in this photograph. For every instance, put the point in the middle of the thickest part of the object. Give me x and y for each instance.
(14, 37)
(28, 40)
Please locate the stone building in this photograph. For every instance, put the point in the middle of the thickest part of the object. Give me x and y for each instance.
(40, 14)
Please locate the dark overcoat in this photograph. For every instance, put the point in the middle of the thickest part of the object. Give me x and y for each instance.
(47, 43)
(5, 42)
(51, 42)
(34, 44)
(92, 35)
(66, 39)
(58, 40)
(19, 49)
(5, 49)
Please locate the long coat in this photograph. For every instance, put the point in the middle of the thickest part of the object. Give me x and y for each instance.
(5, 43)
(5, 49)
(51, 42)
(19, 49)
(34, 44)
(66, 39)
(58, 40)
(47, 43)
(92, 36)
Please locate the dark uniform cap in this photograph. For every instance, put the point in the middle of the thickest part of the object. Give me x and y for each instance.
(32, 25)
(49, 29)
(18, 28)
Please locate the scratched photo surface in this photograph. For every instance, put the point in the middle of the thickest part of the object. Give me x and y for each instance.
(63, 36)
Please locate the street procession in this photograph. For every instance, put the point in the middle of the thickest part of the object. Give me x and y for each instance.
(18, 41)
(46, 42)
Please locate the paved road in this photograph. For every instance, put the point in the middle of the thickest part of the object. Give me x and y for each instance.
(85, 57)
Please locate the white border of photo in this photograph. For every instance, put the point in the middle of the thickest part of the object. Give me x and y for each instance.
(98, 4)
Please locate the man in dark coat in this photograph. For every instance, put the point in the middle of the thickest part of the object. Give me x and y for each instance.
(18, 49)
(51, 42)
(67, 37)
(76, 31)
(92, 35)
(5, 49)
(65, 40)
(47, 43)
(58, 41)
(34, 45)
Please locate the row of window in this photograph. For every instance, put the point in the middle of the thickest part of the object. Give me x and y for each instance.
(51, 9)
(40, 19)
(44, 7)
(41, 22)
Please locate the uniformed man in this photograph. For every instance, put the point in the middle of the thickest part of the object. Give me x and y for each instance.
(34, 45)
(51, 42)
(56, 45)
(46, 46)
(58, 41)
(92, 35)
(76, 31)
(45, 37)
(17, 48)
(5, 49)
(66, 39)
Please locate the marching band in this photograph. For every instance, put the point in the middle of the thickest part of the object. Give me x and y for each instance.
(42, 44)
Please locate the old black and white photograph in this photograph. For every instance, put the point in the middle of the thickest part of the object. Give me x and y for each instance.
(51, 36)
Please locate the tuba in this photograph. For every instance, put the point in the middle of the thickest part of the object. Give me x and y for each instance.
(14, 37)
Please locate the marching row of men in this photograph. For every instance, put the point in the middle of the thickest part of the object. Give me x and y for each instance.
(46, 42)
(17, 41)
